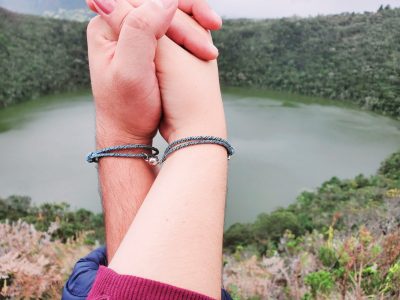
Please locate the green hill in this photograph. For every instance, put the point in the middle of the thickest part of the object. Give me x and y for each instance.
(40, 56)
(352, 57)
(349, 57)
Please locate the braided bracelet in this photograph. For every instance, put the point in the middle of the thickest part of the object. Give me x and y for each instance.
(152, 158)
(197, 140)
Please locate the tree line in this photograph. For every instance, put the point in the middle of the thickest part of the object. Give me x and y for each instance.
(347, 57)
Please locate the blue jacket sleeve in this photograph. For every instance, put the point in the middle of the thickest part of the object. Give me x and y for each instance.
(82, 278)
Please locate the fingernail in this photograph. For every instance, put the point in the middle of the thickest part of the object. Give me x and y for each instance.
(106, 6)
(165, 3)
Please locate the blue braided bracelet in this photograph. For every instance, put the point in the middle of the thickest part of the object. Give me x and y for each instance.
(108, 152)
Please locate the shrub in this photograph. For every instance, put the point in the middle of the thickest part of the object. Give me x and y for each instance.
(392, 281)
(57, 219)
(320, 283)
(391, 167)
(238, 235)
(327, 256)
(31, 265)
(272, 226)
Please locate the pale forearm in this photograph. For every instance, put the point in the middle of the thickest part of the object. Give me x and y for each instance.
(176, 236)
(183, 216)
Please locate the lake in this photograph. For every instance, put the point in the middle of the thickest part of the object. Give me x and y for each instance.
(283, 147)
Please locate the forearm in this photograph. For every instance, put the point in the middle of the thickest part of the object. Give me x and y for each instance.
(176, 237)
(124, 184)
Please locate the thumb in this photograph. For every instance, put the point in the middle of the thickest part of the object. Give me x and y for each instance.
(140, 30)
(153, 16)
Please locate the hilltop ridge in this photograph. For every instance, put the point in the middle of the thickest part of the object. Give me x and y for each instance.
(347, 57)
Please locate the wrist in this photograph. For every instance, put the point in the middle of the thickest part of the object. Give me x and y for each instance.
(111, 133)
(111, 138)
(216, 131)
(105, 142)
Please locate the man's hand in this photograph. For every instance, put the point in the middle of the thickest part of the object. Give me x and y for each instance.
(185, 30)
(122, 47)
(124, 82)
(191, 95)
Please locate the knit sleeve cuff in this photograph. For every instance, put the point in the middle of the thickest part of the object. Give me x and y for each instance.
(109, 286)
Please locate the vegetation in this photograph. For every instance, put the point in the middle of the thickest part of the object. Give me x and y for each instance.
(341, 241)
(344, 204)
(352, 57)
(348, 57)
(40, 56)
(58, 220)
(32, 266)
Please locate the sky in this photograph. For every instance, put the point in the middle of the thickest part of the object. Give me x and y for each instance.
(237, 8)
(288, 8)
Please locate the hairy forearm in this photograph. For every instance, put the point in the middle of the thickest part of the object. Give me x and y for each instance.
(124, 184)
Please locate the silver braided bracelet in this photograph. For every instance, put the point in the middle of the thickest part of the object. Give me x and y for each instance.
(197, 140)
(152, 158)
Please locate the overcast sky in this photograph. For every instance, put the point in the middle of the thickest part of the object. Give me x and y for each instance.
(287, 8)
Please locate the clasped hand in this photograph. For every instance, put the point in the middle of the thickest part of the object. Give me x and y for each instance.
(153, 67)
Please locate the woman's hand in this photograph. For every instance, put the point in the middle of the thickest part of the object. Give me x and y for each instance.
(185, 29)
(191, 96)
(124, 82)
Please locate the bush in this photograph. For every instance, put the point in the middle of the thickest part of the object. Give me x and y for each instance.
(57, 219)
(392, 282)
(391, 167)
(14, 208)
(320, 283)
(238, 235)
(272, 226)
(327, 256)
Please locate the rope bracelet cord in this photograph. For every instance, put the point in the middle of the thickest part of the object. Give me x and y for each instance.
(197, 140)
(152, 158)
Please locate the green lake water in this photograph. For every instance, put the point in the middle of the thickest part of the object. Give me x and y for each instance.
(283, 147)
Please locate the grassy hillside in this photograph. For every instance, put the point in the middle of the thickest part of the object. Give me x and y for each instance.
(350, 57)
(347, 57)
(341, 241)
(40, 56)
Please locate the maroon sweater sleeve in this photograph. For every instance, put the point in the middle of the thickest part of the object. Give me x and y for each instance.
(112, 286)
